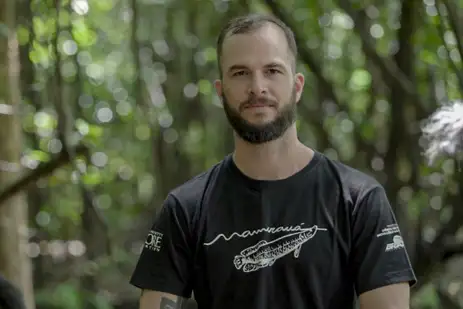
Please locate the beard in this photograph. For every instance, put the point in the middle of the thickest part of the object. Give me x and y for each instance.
(259, 134)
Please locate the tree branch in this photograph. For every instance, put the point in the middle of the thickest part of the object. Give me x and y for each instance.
(444, 246)
(388, 67)
(451, 251)
(441, 31)
(41, 171)
(455, 15)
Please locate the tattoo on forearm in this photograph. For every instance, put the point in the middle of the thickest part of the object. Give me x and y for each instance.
(167, 303)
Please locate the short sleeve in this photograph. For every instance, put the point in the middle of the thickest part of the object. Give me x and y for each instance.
(165, 263)
(378, 253)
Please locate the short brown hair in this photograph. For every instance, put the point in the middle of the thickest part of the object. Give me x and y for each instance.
(249, 23)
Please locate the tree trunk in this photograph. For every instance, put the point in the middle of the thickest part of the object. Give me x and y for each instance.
(14, 262)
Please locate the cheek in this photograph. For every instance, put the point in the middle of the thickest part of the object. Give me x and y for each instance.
(284, 95)
(234, 94)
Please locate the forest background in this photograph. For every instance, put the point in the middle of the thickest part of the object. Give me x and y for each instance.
(106, 105)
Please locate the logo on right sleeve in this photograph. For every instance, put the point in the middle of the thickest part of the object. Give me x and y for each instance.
(153, 241)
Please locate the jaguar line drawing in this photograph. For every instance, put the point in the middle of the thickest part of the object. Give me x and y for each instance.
(264, 254)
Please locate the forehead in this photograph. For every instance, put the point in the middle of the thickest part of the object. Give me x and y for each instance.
(256, 48)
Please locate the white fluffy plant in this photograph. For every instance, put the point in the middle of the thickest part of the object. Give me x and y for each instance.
(443, 132)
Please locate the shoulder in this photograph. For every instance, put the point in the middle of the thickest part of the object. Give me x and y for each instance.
(188, 195)
(355, 184)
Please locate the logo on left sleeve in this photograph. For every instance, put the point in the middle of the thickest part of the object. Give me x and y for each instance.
(397, 243)
(153, 241)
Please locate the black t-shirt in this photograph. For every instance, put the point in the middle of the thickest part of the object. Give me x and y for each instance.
(314, 240)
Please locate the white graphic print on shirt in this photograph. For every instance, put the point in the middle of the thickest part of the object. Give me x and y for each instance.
(265, 253)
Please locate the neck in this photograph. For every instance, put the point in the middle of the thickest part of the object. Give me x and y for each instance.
(278, 159)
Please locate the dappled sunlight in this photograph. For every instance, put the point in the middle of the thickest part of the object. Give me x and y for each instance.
(115, 105)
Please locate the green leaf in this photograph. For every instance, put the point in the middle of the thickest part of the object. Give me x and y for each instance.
(428, 57)
(23, 35)
(83, 35)
(39, 54)
(95, 131)
(64, 19)
(210, 54)
(360, 80)
(92, 178)
(205, 87)
(82, 126)
(39, 27)
(103, 5)
(44, 120)
(64, 295)
(367, 131)
(360, 103)
(39, 155)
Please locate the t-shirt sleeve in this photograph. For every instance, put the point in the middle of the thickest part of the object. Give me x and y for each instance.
(379, 254)
(165, 262)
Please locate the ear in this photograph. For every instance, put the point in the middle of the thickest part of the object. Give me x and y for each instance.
(218, 87)
(299, 85)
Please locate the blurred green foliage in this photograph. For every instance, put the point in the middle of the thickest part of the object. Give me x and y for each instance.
(136, 79)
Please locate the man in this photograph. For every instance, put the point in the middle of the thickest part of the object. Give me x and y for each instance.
(275, 224)
(10, 297)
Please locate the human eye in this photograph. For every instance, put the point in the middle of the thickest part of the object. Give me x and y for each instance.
(239, 73)
(273, 71)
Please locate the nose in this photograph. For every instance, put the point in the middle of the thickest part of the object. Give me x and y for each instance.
(258, 85)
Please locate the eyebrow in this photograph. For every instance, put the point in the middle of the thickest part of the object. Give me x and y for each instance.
(237, 67)
(275, 65)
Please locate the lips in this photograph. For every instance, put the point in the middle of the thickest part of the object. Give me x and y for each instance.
(257, 105)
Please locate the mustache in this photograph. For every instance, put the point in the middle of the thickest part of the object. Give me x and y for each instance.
(258, 101)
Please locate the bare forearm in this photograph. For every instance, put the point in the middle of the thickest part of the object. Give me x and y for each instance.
(167, 303)
(159, 300)
(394, 296)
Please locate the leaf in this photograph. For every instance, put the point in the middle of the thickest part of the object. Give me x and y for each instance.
(95, 131)
(360, 103)
(39, 155)
(367, 130)
(44, 120)
(64, 295)
(210, 54)
(64, 19)
(92, 178)
(91, 132)
(360, 80)
(103, 5)
(39, 54)
(82, 34)
(39, 27)
(205, 87)
(428, 57)
(23, 35)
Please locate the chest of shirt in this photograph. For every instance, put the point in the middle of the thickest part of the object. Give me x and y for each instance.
(301, 232)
